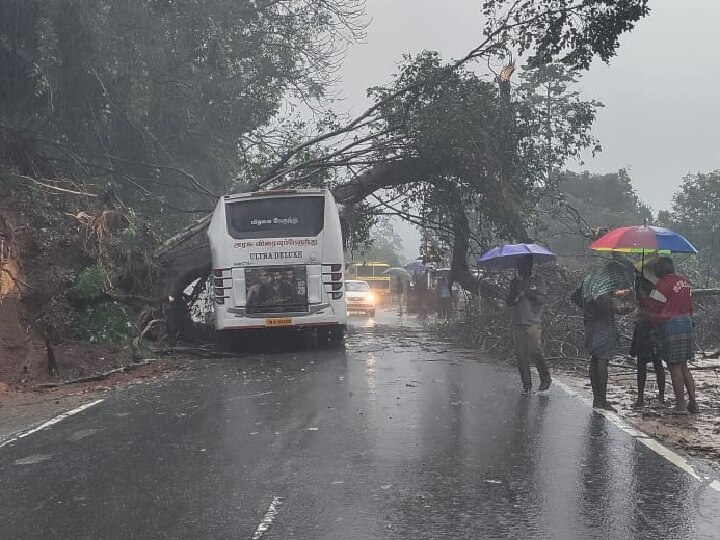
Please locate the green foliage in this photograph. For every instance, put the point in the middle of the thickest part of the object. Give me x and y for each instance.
(384, 246)
(90, 285)
(173, 102)
(566, 30)
(605, 200)
(554, 119)
(455, 125)
(157, 97)
(692, 266)
(485, 150)
(357, 223)
(696, 214)
(104, 322)
(98, 319)
(585, 201)
(130, 232)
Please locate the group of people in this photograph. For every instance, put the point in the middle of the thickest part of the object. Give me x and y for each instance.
(433, 293)
(663, 329)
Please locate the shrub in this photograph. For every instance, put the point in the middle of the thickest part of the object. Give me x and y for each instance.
(105, 322)
(89, 285)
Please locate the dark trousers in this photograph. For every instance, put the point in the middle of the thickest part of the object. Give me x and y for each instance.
(528, 346)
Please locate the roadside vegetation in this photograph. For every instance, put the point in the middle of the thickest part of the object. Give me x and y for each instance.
(115, 144)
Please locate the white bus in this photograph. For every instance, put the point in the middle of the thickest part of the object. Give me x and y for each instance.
(278, 262)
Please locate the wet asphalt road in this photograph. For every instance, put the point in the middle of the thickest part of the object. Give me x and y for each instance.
(395, 436)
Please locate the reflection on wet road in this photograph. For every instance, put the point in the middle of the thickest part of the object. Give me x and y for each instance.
(396, 436)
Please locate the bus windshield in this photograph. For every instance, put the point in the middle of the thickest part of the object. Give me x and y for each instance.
(275, 217)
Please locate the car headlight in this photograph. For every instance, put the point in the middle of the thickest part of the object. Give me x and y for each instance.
(371, 298)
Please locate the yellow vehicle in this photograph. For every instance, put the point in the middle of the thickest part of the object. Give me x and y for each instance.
(375, 274)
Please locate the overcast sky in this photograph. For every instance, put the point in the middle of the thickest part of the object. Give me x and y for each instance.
(662, 104)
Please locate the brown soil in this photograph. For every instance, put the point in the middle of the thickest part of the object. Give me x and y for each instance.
(24, 357)
(39, 252)
(22, 353)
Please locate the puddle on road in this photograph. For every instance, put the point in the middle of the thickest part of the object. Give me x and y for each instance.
(78, 435)
(33, 459)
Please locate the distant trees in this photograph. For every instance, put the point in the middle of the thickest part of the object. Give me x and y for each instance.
(586, 201)
(696, 214)
(385, 246)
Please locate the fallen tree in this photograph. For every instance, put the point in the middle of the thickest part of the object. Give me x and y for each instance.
(440, 145)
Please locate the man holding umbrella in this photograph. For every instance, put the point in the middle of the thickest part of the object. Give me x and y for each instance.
(527, 296)
(601, 334)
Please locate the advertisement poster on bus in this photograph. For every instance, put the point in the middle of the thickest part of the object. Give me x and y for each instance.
(276, 289)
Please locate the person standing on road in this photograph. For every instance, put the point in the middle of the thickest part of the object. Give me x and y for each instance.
(644, 342)
(421, 291)
(671, 305)
(527, 295)
(400, 293)
(444, 299)
(601, 335)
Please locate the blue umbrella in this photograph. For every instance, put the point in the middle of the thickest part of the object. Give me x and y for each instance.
(505, 257)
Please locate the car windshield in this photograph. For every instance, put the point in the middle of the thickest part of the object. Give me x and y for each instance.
(357, 286)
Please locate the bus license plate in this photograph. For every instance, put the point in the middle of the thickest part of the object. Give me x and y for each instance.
(281, 321)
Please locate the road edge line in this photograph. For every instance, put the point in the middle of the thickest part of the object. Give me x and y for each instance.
(51, 422)
(648, 440)
(269, 518)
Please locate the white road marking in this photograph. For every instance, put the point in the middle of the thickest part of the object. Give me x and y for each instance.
(269, 518)
(248, 396)
(49, 423)
(652, 443)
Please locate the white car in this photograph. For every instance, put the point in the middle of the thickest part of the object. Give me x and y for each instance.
(359, 296)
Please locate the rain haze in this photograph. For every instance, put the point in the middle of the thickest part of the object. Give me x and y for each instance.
(197, 341)
(659, 91)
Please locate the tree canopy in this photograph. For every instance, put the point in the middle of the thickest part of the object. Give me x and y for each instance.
(161, 100)
(696, 214)
(586, 203)
(170, 103)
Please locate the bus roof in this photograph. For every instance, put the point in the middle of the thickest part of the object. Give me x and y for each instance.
(275, 193)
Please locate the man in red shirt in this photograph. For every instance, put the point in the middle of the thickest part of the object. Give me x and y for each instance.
(670, 307)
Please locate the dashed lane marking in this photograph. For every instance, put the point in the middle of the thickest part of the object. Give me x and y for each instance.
(650, 442)
(49, 423)
(269, 518)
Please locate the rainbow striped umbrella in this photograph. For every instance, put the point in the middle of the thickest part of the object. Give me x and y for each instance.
(643, 239)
